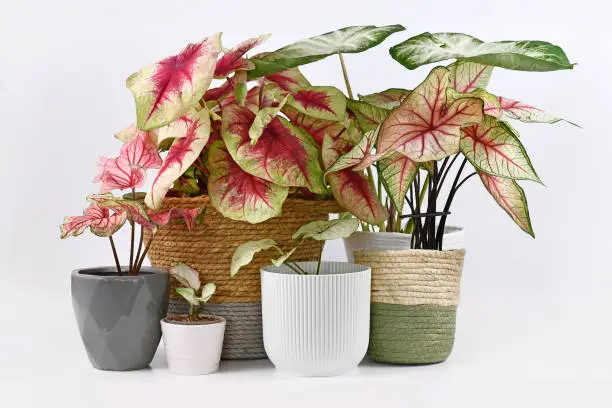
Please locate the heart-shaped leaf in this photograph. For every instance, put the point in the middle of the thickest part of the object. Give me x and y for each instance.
(142, 151)
(118, 174)
(232, 60)
(526, 113)
(321, 102)
(368, 116)
(98, 219)
(194, 130)
(353, 191)
(426, 48)
(492, 147)
(284, 154)
(387, 99)
(424, 127)
(134, 208)
(346, 40)
(511, 197)
(290, 80)
(189, 295)
(397, 173)
(357, 153)
(263, 117)
(207, 292)
(239, 195)
(220, 92)
(327, 230)
(168, 89)
(491, 105)
(466, 76)
(243, 255)
(188, 215)
(317, 128)
(186, 275)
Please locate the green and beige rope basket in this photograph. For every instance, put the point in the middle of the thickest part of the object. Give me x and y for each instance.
(415, 294)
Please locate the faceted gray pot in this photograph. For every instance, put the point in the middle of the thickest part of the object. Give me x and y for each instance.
(119, 316)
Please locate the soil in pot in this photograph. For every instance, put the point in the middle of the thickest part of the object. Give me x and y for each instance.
(197, 320)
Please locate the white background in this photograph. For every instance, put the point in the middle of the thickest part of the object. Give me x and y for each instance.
(534, 323)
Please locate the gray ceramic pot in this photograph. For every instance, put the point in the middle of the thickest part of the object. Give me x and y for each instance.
(119, 316)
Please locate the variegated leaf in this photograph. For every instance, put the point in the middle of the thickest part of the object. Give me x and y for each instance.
(426, 48)
(118, 174)
(233, 59)
(290, 80)
(491, 105)
(189, 295)
(510, 197)
(239, 195)
(368, 116)
(353, 191)
(187, 215)
(388, 99)
(317, 128)
(243, 255)
(220, 92)
(397, 173)
(142, 151)
(281, 259)
(207, 292)
(423, 127)
(135, 210)
(186, 275)
(327, 230)
(98, 219)
(321, 102)
(263, 117)
(357, 153)
(168, 89)
(466, 76)
(526, 113)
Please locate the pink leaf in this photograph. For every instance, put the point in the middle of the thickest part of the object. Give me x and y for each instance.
(232, 60)
(168, 89)
(290, 80)
(467, 76)
(216, 94)
(526, 113)
(356, 154)
(100, 221)
(353, 192)
(118, 174)
(397, 173)
(322, 102)
(317, 128)
(239, 195)
(188, 215)
(142, 151)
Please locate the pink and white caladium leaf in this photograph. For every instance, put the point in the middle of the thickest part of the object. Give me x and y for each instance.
(368, 116)
(220, 92)
(388, 99)
(186, 276)
(424, 127)
(142, 151)
(194, 130)
(239, 195)
(188, 215)
(290, 80)
(523, 112)
(466, 76)
(263, 117)
(510, 197)
(321, 102)
(233, 59)
(491, 105)
(492, 147)
(98, 219)
(317, 128)
(118, 174)
(397, 173)
(284, 154)
(135, 210)
(358, 152)
(168, 89)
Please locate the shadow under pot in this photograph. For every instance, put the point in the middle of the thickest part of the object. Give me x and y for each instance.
(118, 315)
(193, 347)
(316, 325)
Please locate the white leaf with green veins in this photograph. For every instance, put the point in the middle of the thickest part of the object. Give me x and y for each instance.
(281, 259)
(327, 230)
(189, 295)
(245, 252)
(207, 292)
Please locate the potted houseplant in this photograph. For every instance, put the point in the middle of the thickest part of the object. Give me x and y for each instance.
(316, 314)
(118, 308)
(193, 341)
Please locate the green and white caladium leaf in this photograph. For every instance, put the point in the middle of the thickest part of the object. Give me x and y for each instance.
(168, 89)
(239, 195)
(281, 259)
(263, 117)
(424, 127)
(327, 230)
(523, 112)
(284, 154)
(466, 76)
(321, 102)
(427, 48)
(511, 197)
(186, 275)
(492, 147)
(346, 40)
(387, 99)
(491, 105)
(243, 255)
(189, 295)
(357, 153)
(368, 116)
(397, 173)
(207, 292)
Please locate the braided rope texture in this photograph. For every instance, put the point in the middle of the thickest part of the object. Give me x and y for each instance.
(415, 294)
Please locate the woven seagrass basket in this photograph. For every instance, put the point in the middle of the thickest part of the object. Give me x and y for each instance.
(209, 249)
(415, 294)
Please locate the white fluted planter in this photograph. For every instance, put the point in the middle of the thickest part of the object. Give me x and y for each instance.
(316, 325)
(454, 238)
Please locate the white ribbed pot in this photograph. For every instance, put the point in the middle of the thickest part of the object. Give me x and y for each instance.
(193, 348)
(316, 325)
(454, 238)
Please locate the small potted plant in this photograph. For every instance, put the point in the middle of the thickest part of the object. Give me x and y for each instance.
(316, 315)
(118, 308)
(193, 341)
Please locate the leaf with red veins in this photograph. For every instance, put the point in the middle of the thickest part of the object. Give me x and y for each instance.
(388, 99)
(356, 154)
(424, 127)
(195, 131)
(466, 76)
(232, 60)
(290, 80)
(317, 128)
(272, 96)
(168, 89)
(368, 116)
(353, 191)
(118, 174)
(189, 216)
(284, 154)
(510, 197)
(491, 105)
(98, 219)
(526, 113)
(142, 151)
(239, 195)
(220, 92)
(492, 147)
(397, 173)
(321, 102)
(135, 210)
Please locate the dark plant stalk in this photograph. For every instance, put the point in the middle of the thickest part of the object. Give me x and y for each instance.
(144, 254)
(320, 259)
(293, 268)
(131, 272)
(449, 201)
(115, 255)
(140, 242)
(261, 93)
(346, 80)
(443, 178)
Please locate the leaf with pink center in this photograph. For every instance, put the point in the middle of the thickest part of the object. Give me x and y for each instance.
(491, 105)
(317, 128)
(397, 173)
(353, 191)
(322, 102)
(263, 117)
(188, 215)
(168, 89)
(387, 99)
(368, 116)
(424, 127)
(98, 219)
(526, 113)
(356, 154)
(239, 195)
(134, 209)
(142, 151)
(510, 197)
(118, 174)
(194, 130)
(466, 76)
(290, 80)
(492, 147)
(220, 92)
(233, 59)
(284, 154)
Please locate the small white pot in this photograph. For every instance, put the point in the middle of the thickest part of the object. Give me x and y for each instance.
(193, 348)
(316, 325)
(454, 238)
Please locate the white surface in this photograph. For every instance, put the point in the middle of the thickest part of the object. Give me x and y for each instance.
(534, 323)
(193, 349)
(316, 325)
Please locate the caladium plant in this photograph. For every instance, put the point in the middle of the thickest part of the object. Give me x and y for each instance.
(189, 279)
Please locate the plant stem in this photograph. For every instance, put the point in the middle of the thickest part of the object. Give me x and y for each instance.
(449, 200)
(320, 258)
(293, 268)
(346, 80)
(140, 242)
(191, 311)
(131, 272)
(144, 254)
(115, 255)
(261, 93)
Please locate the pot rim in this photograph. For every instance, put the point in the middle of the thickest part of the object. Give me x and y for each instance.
(219, 320)
(359, 269)
(109, 272)
(448, 230)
